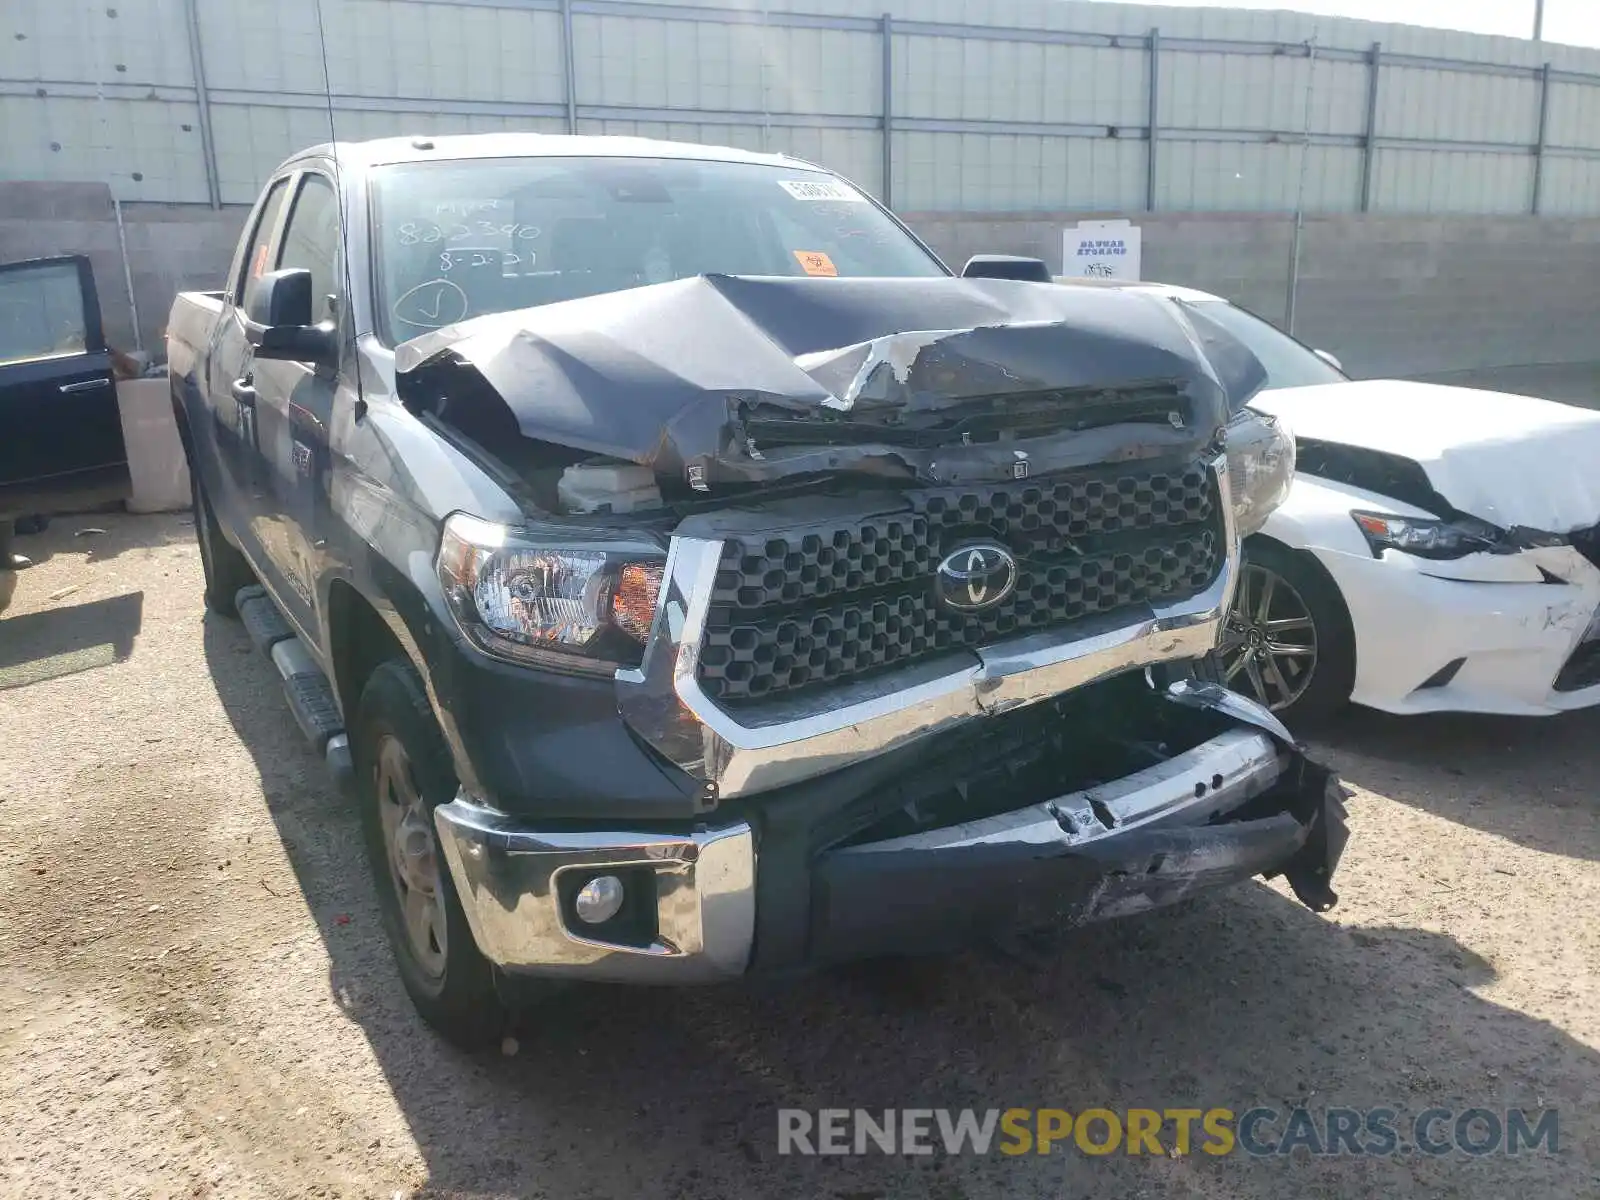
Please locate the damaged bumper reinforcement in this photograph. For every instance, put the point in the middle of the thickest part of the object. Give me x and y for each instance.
(1244, 802)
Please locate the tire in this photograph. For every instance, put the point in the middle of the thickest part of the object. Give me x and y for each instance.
(447, 977)
(225, 568)
(1308, 616)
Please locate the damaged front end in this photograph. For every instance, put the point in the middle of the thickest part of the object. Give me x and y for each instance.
(1113, 801)
(801, 382)
(908, 558)
(1531, 645)
(1110, 800)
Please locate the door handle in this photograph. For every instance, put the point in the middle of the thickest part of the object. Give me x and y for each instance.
(83, 385)
(243, 390)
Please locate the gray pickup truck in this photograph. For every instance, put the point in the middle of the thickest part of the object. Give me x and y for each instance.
(689, 576)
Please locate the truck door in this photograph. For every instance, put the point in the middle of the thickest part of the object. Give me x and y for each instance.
(236, 490)
(60, 428)
(294, 406)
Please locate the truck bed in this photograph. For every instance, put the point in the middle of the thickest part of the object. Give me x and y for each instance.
(190, 325)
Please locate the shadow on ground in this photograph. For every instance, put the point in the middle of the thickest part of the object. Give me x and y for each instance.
(1529, 779)
(66, 640)
(100, 535)
(1245, 999)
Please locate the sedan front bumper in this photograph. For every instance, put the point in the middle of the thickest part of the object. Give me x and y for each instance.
(1240, 804)
(1489, 633)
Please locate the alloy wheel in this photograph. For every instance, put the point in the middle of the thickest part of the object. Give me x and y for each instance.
(413, 856)
(1269, 642)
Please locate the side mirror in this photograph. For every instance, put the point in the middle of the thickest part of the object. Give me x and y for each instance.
(278, 316)
(1330, 360)
(1006, 266)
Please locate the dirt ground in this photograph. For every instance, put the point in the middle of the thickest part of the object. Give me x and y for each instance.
(196, 999)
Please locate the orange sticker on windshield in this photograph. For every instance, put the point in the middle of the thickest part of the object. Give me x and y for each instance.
(261, 262)
(815, 262)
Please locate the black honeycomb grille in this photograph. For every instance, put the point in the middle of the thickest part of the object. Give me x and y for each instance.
(843, 598)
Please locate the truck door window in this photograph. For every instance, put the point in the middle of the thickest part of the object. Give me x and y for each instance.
(311, 241)
(41, 313)
(255, 258)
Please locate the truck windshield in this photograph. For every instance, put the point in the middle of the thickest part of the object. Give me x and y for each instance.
(468, 237)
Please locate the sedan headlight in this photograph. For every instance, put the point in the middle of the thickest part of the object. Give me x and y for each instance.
(552, 596)
(1260, 468)
(1424, 536)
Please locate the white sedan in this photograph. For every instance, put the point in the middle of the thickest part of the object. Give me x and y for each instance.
(1439, 548)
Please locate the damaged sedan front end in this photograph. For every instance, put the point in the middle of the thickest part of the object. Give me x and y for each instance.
(1461, 531)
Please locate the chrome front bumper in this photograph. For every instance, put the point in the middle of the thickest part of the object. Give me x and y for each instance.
(508, 876)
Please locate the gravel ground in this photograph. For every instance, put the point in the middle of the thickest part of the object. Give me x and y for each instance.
(197, 999)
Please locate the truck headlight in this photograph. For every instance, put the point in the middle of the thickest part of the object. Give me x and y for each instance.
(1260, 467)
(1424, 536)
(575, 599)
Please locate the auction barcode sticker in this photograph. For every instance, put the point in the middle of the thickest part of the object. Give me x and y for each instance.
(821, 189)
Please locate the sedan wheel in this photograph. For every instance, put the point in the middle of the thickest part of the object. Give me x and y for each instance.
(1269, 644)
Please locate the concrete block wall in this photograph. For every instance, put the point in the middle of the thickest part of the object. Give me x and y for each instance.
(38, 220)
(1404, 295)
(176, 248)
(170, 248)
(1390, 295)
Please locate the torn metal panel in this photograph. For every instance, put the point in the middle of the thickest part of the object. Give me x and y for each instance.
(1235, 806)
(730, 380)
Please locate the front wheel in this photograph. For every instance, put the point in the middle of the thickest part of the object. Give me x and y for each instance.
(404, 772)
(1288, 642)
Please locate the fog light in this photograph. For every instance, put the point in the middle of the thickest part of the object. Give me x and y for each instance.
(599, 900)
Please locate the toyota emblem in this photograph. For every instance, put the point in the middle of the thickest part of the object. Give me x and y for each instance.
(975, 577)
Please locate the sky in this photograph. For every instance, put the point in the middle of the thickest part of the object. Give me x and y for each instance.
(1575, 22)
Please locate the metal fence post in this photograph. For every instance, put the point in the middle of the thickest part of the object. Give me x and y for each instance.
(1538, 149)
(1300, 191)
(202, 100)
(888, 111)
(1369, 148)
(569, 66)
(1153, 129)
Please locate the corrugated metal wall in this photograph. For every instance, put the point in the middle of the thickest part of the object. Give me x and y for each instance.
(992, 105)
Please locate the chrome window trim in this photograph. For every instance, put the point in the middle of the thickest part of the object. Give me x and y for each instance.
(789, 741)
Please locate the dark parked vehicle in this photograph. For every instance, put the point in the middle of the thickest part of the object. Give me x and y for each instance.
(60, 432)
(690, 577)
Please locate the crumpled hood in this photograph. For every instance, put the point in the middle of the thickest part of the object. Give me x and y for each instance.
(742, 379)
(1509, 460)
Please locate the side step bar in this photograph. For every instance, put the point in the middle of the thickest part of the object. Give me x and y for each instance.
(308, 690)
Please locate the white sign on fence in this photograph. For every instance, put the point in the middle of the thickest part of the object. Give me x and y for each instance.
(1101, 250)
